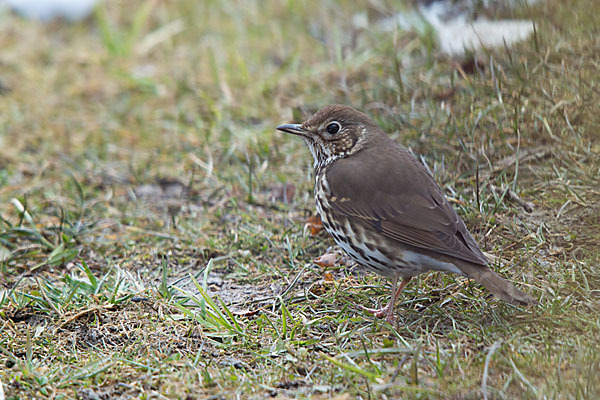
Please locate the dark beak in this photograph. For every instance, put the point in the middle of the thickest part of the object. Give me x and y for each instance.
(294, 129)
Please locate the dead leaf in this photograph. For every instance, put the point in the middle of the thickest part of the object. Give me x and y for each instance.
(327, 260)
(328, 276)
(315, 224)
(245, 313)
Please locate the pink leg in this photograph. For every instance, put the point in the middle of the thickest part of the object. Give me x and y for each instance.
(388, 310)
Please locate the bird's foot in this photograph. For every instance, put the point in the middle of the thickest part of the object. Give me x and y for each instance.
(381, 312)
(388, 311)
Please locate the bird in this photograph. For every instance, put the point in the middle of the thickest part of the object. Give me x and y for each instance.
(384, 208)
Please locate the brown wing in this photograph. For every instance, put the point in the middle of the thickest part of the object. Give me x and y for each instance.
(392, 193)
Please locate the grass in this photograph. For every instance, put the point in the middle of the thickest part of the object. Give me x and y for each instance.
(146, 250)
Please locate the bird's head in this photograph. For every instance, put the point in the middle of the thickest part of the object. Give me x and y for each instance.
(335, 131)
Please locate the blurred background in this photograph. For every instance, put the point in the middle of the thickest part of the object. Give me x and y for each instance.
(115, 91)
(167, 73)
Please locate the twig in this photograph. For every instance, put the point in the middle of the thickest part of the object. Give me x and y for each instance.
(537, 153)
(84, 312)
(520, 375)
(291, 285)
(488, 358)
(525, 156)
(150, 232)
(512, 196)
(562, 208)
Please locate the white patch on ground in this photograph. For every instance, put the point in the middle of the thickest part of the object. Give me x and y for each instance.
(46, 10)
(456, 34)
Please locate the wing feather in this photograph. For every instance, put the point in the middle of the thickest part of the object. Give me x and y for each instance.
(395, 195)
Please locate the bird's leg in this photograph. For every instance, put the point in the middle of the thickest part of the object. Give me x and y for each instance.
(380, 312)
(388, 310)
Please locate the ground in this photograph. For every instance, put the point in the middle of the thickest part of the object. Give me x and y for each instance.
(154, 226)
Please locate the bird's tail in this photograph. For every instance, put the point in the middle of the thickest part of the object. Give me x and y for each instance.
(497, 284)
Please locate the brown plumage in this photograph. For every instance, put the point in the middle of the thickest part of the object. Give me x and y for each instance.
(384, 208)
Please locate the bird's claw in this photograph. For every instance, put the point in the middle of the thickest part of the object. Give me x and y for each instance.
(380, 313)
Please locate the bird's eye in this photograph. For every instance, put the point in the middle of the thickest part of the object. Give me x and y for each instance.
(333, 128)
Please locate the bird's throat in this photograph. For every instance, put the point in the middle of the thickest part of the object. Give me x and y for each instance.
(321, 156)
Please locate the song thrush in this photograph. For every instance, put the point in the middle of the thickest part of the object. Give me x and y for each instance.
(384, 208)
